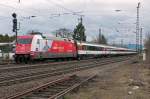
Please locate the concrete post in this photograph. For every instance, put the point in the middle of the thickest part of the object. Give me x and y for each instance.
(144, 54)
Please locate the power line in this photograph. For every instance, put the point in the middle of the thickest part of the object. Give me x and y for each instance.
(61, 14)
(67, 9)
(20, 9)
(7, 6)
(61, 6)
(33, 9)
(56, 15)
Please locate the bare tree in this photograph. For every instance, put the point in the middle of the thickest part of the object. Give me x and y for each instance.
(100, 39)
(64, 33)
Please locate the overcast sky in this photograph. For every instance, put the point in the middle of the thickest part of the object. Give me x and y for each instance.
(116, 26)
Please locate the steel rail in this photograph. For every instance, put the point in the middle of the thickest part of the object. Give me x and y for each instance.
(47, 70)
(17, 67)
(62, 93)
(57, 72)
(27, 92)
(21, 67)
(66, 85)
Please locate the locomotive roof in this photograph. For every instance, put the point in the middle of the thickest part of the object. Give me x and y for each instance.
(25, 36)
(44, 37)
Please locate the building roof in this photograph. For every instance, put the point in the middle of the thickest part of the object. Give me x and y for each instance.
(11, 43)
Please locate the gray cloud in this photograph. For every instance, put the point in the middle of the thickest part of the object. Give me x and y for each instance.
(98, 14)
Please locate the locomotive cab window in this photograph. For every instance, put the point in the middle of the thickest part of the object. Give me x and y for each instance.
(24, 40)
(38, 41)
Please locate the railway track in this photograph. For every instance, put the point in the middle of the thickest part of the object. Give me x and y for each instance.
(55, 89)
(17, 67)
(6, 81)
(35, 70)
(11, 67)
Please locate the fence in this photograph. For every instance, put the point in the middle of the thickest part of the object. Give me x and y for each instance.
(6, 53)
(6, 57)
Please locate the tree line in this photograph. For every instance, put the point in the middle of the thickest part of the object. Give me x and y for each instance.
(6, 38)
(79, 34)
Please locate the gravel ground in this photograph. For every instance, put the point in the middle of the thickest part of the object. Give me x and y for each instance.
(128, 81)
(11, 90)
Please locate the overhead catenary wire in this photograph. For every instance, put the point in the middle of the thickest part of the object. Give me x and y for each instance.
(70, 12)
(23, 10)
(61, 6)
(65, 8)
(21, 16)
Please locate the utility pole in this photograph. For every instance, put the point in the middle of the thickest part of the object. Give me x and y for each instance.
(122, 43)
(14, 15)
(100, 31)
(141, 39)
(100, 35)
(137, 28)
(81, 19)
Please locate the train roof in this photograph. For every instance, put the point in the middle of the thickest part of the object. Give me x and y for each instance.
(8, 43)
(103, 45)
(45, 37)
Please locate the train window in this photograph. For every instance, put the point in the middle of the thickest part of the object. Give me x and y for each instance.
(92, 48)
(88, 47)
(79, 47)
(84, 47)
(24, 40)
(101, 48)
(38, 41)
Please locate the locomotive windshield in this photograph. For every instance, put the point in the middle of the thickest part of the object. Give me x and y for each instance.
(25, 41)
